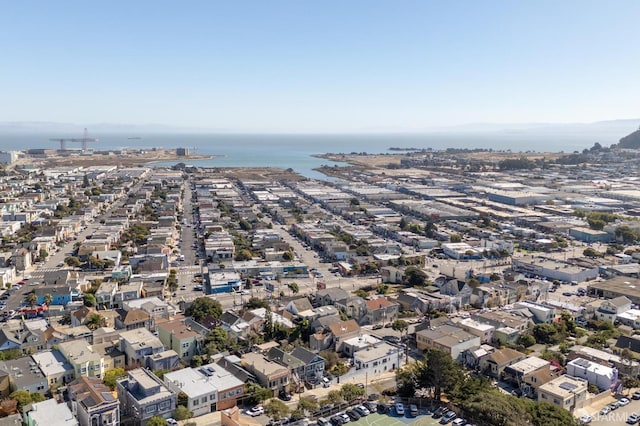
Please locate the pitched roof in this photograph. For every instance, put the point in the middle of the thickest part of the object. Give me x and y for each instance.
(505, 355)
(133, 316)
(379, 303)
(304, 354)
(302, 304)
(344, 327)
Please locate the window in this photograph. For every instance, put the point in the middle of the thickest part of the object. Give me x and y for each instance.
(204, 400)
(196, 402)
(150, 409)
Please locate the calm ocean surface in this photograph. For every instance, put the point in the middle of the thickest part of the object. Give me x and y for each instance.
(237, 150)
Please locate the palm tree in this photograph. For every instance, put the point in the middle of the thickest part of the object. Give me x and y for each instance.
(48, 298)
(95, 321)
(31, 299)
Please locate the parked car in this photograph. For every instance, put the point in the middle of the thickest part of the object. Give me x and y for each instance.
(459, 422)
(400, 409)
(370, 406)
(323, 422)
(255, 411)
(636, 395)
(285, 396)
(345, 417)
(353, 414)
(382, 408)
(614, 405)
(413, 410)
(326, 382)
(337, 420)
(623, 402)
(586, 419)
(605, 410)
(439, 412)
(633, 419)
(362, 410)
(377, 327)
(449, 416)
(172, 422)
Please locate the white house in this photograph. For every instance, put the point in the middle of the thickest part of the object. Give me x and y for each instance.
(201, 393)
(601, 375)
(379, 358)
(610, 309)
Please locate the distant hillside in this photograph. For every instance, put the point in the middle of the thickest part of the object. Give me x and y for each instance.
(630, 141)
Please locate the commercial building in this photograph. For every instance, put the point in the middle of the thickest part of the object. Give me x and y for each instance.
(589, 235)
(616, 287)
(553, 269)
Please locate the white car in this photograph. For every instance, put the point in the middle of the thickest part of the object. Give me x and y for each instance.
(255, 411)
(623, 402)
(586, 419)
(605, 410)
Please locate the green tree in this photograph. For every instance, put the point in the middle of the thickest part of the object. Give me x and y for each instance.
(31, 298)
(334, 396)
(256, 394)
(339, 370)
(415, 276)
(307, 405)
(349, 391)
(545, 333)
(89, 300)
(48, 298)
(361, 293)
(23, 398)
(330, 358)
(219, 340)
(255, 303)
(182, 413)
(276, 409)
(294, 287)
(287, 256)
(43, 254)
(591, 252)
(244, 254)
(400, 325)
(439, 372)
(73, 261)
(406, 380)
(455, 238)
(111, 376)
(526, 340)
(37, 397)
(203, 307)
(156, 421)
(95, 321)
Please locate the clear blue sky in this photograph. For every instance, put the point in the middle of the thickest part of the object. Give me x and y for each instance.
(319, 66)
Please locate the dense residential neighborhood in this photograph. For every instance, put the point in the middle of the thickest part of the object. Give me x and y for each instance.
(153, 295)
